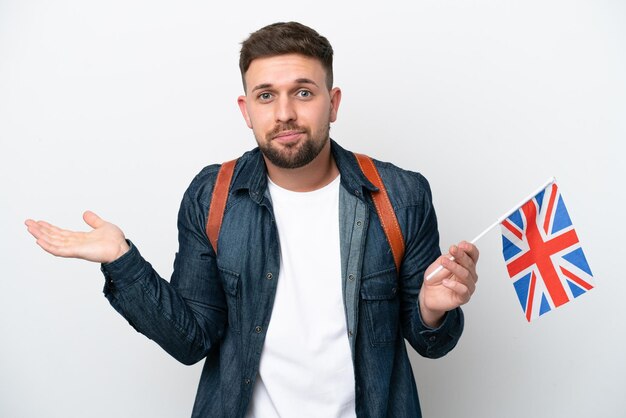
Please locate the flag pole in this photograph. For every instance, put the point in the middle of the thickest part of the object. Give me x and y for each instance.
(500, 219)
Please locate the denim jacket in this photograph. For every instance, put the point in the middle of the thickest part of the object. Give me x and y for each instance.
(218, 308)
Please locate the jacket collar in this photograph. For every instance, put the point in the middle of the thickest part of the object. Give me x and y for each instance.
(251, 174)
(352, 177)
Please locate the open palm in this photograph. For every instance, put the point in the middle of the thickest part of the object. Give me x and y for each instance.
(103, 244)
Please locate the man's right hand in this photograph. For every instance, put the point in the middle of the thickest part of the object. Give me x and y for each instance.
(103, 244)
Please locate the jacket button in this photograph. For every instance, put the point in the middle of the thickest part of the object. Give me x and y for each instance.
(359, 223)
(258, 329)
(246, 381)
(269, 276)
(351, 277)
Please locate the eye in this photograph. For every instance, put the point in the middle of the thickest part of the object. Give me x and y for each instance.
(304, 94)
(265, 96)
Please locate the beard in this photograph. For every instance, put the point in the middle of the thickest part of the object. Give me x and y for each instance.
(294, 155)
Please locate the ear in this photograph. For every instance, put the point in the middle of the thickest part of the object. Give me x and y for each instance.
(335, 99)
(243, 107)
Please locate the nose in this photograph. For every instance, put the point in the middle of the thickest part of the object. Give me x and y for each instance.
(285, 110)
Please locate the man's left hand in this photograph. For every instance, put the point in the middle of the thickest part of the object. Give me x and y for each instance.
(451, 287)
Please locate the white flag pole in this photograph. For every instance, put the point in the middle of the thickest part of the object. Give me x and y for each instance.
(500, 219)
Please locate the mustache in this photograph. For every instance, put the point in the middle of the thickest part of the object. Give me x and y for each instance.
(282, 127)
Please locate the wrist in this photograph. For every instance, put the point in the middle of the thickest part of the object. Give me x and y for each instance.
(430, 317)
(123, 249)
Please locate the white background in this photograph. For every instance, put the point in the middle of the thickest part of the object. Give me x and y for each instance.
(115, 106)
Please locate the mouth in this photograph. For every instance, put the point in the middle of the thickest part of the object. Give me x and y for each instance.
(288, 137)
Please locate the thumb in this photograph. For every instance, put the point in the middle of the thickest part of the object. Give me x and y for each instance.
(92, 219)
(437, 270)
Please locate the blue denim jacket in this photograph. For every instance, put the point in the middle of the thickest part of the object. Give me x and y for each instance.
(219, 308)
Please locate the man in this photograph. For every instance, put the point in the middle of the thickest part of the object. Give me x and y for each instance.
(301, 312)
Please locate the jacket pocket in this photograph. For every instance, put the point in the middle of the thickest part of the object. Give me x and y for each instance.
(379, 293)
(230, 284)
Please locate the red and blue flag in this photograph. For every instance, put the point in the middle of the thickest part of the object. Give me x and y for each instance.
(543, 254)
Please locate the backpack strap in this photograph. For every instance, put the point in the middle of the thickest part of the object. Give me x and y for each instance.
(386, 214)
(385, 211)
(218, 202)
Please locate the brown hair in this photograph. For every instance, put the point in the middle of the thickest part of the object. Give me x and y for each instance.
(286, 38)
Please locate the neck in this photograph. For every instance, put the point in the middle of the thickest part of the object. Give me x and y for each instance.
(315, 175)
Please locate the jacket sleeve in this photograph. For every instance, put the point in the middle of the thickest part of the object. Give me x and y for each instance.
(186, 316)
(422, 249)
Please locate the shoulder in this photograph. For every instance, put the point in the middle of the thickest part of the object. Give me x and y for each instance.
(405, 187)
(201, 187)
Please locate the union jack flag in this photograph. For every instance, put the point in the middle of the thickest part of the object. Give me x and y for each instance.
(543, 254)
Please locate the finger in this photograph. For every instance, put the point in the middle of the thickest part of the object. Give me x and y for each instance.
(436, 272)
(464, 259)
(462, 292)
(471, 250)
(58, 241)
(33, 228)
(460, 272)
(42, 229)
(56, 236)
(92, 219)
(459, 255)
(468, 283)
(52, 230)
(57, 250)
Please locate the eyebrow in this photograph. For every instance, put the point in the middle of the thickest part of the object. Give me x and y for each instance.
(298, 81)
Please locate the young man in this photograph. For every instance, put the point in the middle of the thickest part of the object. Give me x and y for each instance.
(301, 311)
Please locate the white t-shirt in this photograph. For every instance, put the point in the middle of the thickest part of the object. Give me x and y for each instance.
(306, 365)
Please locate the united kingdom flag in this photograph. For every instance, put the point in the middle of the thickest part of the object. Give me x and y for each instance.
(543, 254)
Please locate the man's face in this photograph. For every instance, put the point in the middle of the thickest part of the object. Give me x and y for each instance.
(289, 108)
